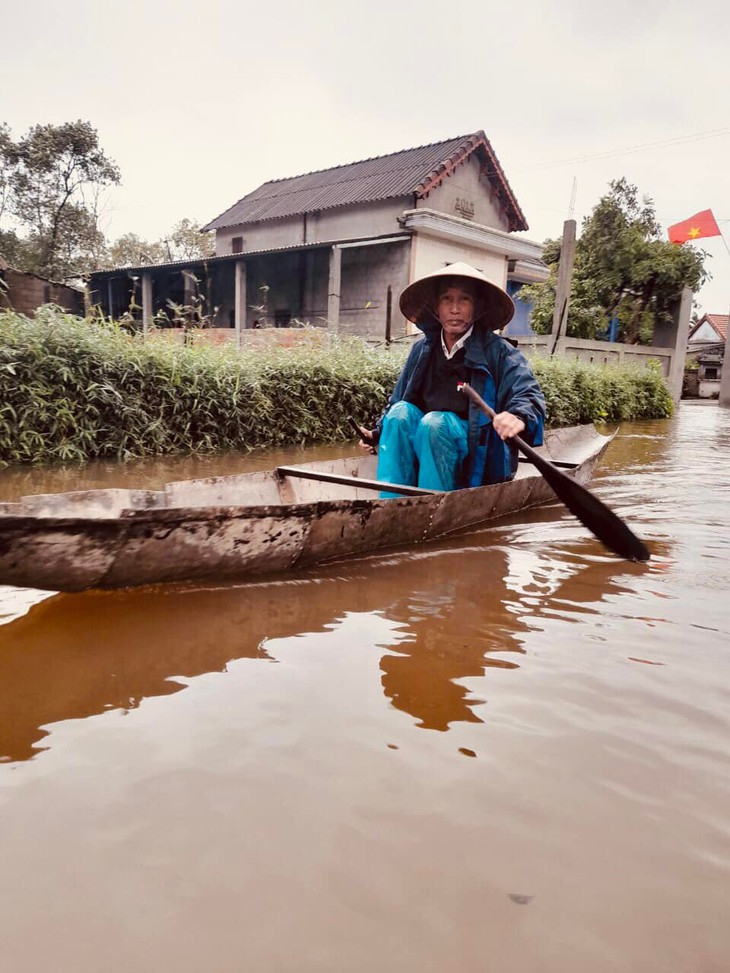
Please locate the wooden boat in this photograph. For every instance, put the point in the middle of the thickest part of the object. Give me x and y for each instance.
(253, 524)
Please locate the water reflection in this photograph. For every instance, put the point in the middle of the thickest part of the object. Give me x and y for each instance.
(458, 623)
(460, 611)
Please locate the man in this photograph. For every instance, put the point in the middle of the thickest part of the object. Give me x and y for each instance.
(431, 435)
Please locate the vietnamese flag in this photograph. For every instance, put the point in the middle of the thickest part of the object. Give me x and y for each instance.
(699, 225)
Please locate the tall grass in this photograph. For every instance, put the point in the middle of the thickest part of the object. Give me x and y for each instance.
(73, 390)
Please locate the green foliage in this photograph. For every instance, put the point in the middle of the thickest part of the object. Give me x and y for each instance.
(50, 185)
(186, 241)
(6, 166)
(130, 250)
(622, 269)
(50, 182)
(74, 390)
(194, 315)
(578, 392)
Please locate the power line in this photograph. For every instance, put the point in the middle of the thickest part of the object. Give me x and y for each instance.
(609, 153)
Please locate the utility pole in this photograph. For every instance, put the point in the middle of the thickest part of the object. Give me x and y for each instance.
(388, 314)
(571, 208)
(565, 276)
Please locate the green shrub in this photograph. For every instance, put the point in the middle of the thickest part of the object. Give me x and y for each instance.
(578, 392)
(74, 390)
(77, 390)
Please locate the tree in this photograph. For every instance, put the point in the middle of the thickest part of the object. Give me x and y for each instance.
(622, 270)
(81, 245)
(50, 184)
(54, 176)
(6, 166)
(130, 250)
(188, 242)
(185, 241)
(11, 246)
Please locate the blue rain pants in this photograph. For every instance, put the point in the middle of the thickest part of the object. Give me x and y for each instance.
(421, 449)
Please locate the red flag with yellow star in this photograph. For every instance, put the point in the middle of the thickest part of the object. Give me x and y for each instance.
(699, 225)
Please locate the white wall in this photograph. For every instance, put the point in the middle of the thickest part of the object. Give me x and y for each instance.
(705, 332)
(709, 388)
(431, 253)
(341, 223)
(466, 187)
(261, 236)
(355, 222)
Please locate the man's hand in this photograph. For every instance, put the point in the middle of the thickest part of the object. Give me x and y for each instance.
(366, 439)
(506, 425)
(367, 442)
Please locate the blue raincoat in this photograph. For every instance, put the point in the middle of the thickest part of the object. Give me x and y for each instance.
(501, 375)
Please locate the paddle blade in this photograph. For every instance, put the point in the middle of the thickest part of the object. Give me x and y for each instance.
(600, 520)
(590, 511)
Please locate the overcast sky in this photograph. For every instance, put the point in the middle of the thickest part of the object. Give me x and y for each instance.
(201, 102)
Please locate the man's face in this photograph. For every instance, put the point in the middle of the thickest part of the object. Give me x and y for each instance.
(455, 311)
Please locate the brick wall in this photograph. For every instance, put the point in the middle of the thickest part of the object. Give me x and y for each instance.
(26, 292)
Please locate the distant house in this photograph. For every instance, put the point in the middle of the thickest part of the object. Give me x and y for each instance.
(328, 247)
(24, 292)
(710, 328)
(706, 348)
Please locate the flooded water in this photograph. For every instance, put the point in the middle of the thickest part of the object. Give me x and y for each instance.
(506, 752)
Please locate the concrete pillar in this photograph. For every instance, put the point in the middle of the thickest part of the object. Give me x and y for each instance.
(239, 317)
(333, 289)
(725, 378)
(682, 315)
(562, 291)
(188, 287)
(146, 301)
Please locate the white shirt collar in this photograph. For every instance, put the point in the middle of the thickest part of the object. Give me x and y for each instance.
(458, 345)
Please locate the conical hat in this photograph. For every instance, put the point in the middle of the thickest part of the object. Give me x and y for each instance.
(494, 307)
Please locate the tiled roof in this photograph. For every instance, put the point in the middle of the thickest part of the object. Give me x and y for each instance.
(407, 173)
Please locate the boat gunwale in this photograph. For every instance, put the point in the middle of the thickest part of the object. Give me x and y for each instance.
(158, 515)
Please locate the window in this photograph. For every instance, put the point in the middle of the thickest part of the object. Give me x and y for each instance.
(711, 374)
(237, 244)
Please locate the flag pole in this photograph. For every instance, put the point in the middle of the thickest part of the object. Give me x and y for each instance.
(722, 237)
(724, 394)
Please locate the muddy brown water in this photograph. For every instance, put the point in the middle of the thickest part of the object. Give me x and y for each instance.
(506, 752)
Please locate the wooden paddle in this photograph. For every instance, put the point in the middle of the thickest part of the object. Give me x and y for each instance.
(590, 511)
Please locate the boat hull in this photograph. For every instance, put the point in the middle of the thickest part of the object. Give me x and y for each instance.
(73, 542)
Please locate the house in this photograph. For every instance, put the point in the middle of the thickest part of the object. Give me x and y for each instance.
(335, 248)
(711, 328)
(705, 354)
(25, 292)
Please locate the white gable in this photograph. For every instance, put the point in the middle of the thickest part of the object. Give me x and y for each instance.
(706, 332)
(467, 194)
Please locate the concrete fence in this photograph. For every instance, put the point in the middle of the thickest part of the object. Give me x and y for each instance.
(670, 350)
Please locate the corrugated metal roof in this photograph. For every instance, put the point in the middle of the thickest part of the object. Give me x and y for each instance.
(411, 171)
(247, 256)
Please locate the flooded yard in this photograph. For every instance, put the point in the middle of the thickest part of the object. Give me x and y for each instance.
(508, 751)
